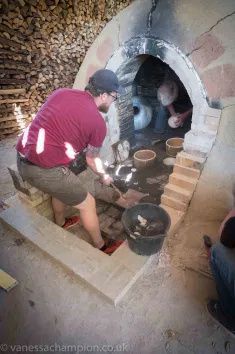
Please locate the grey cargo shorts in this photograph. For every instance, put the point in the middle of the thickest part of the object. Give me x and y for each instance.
(59, 182)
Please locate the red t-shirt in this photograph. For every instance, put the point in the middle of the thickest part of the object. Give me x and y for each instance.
(67, 122)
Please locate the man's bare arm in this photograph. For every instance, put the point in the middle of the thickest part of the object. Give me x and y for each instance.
(95, 163)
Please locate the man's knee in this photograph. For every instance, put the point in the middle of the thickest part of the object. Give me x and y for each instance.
(87, 204)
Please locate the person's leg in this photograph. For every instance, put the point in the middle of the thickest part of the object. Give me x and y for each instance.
(161, 120)
(222, 263)
(90, 220)
(67, 189)
(58, 209)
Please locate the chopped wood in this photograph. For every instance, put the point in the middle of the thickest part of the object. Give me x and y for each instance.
(12, 91)
(5, 28)
(10, 43)
(42, 47)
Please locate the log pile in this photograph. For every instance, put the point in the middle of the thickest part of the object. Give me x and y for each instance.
(42, 45)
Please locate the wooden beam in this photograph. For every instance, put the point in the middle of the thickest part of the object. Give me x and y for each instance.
(17, 69)
(23, 52)
(12, 91)
(14, 62)
(12, 81)
(13, 117)
(8, 131)
(5, 110)
(6, 281)
(12, 124)
(13, 100)
(9, 54)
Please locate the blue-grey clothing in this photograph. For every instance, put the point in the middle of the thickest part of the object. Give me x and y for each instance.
(222, 263)
(161, 121)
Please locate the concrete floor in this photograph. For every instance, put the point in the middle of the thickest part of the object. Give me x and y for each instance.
(164, 312)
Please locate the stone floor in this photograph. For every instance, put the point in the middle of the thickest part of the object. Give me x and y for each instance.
(164, 312)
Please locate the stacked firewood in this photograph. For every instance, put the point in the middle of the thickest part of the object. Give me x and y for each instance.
(42, 45)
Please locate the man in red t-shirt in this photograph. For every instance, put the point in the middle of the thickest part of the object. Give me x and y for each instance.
(67, 125)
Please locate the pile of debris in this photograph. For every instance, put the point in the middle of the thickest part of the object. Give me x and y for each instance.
(148, 227)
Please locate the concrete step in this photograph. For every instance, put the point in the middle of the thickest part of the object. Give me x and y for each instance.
(186, 171)
(188, 160)
(183, 181)
(173, 203)
(181, 194)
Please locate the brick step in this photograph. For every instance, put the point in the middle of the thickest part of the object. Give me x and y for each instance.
(186, 171)
(181, 194)
(176, 216)
(183, 181)
(187, 160)
(173, 203)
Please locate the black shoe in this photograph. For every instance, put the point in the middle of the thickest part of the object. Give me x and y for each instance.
(214, 309)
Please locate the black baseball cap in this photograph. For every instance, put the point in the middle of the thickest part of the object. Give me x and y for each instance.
(106, 80)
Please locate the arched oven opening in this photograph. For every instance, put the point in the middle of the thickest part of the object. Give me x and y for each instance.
(158, 98)
(148, 117)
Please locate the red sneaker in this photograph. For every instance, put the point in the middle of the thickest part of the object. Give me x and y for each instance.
(70, 222)
(109, 249)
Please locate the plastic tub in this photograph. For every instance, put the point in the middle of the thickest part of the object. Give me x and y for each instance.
(145, 245)
(173, 146)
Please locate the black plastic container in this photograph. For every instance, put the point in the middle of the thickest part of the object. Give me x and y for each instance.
(145, 245)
